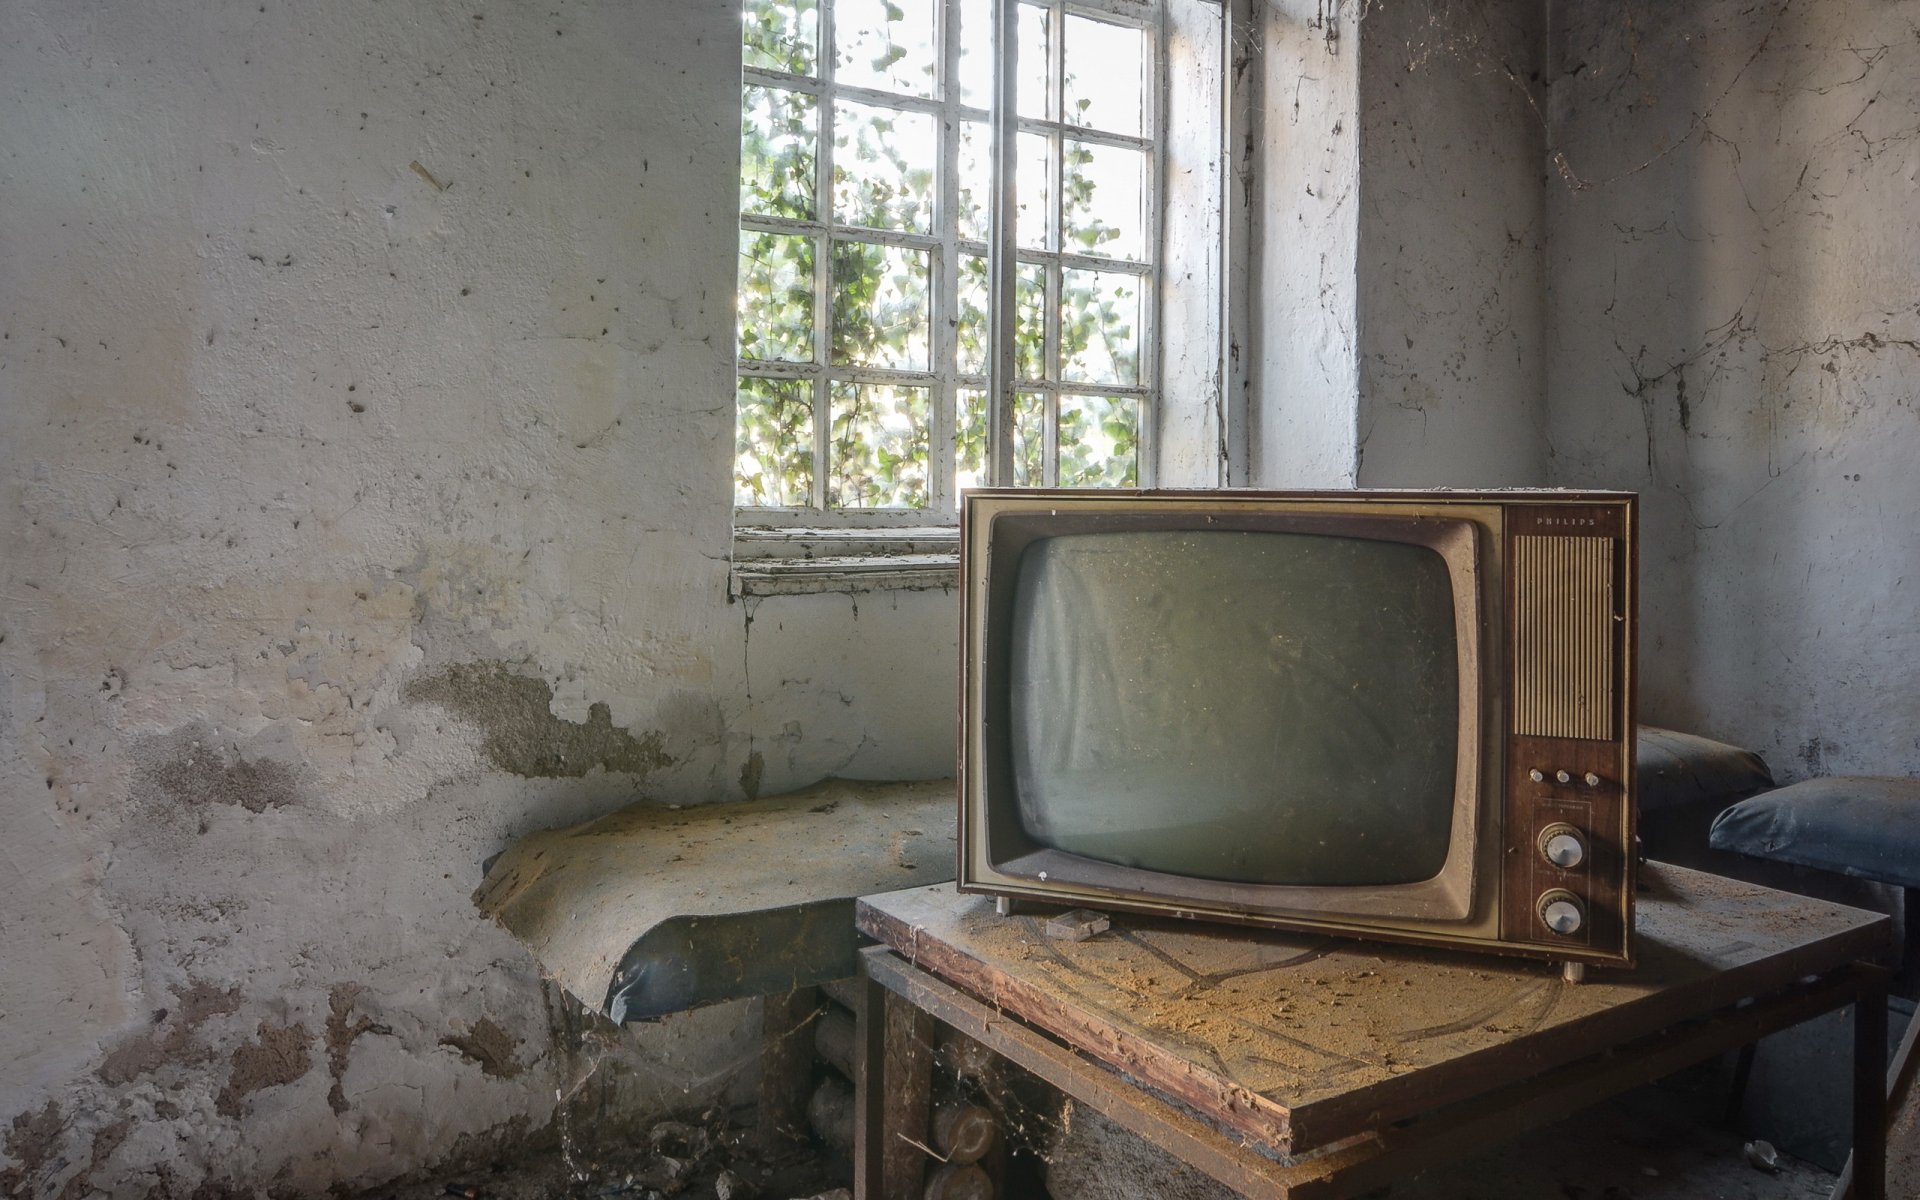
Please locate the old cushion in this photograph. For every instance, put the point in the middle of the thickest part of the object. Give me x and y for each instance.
(1850, 824)
(1677, 768)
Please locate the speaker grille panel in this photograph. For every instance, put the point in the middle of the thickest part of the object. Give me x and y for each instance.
(1563, 636)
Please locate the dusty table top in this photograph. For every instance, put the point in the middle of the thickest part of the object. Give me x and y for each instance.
(1300, 1040)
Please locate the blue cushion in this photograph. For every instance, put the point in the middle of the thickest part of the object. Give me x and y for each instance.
(1676, 768)
(1849, 824)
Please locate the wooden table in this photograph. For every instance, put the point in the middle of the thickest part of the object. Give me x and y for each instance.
(1301, 1067)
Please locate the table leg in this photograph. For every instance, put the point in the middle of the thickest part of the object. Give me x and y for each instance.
(1870, 1090)
(869, 1088)
(786, 1069)
(893, 1096)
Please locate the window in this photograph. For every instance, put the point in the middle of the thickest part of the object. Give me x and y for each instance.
(865, 322)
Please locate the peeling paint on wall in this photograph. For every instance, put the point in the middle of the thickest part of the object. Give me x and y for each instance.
(278, 1054)
(489, 1047)
(523, 737)
(352, 526)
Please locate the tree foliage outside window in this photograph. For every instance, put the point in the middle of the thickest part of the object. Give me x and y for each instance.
(865, 317)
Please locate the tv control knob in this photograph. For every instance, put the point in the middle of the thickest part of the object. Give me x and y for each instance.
(1537, 775)
(1561, 912)
(1563, 777)
(1561, 846)
(1592, 779)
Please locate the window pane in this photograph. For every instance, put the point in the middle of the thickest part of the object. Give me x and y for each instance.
(884, 44)
(1036, 57)
(879, 306)
(776, 296)
(773, 443)
(781, 35)
(970, 439)
(1104, 188)
(1029, 315)
(883, 167)
(1105, 73)
(1030, 322)
(976, 180)
(1100, 327)
(973, 336)
(1029, 439)
(1033, 223)
(778, 132)
(880, 437)
(1099, 441)
(976, 53)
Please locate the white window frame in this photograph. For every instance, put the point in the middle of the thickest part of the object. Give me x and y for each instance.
(819, 548)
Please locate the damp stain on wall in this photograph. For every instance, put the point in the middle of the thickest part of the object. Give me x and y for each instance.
(194, 768)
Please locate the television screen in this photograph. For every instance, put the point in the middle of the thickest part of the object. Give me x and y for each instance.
(1248, 707)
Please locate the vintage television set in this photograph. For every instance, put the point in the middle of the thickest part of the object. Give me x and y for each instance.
(1398, 715)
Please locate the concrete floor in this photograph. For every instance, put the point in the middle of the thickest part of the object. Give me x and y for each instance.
(1656, 1143)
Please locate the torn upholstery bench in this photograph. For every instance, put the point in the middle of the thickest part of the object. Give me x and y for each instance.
(653, 909)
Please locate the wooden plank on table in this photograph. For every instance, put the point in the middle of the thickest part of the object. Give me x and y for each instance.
(1298, 1041)
(1378, 1157)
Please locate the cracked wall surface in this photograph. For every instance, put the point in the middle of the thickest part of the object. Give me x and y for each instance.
(1451, 368)
(1735, 306)
(365, 434)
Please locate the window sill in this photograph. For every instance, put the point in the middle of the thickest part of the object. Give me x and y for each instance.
(780, 561)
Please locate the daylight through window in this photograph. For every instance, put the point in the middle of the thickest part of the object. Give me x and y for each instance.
(865, 322)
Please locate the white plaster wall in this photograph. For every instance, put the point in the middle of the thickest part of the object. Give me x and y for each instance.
(337, 490)
(1735, 284)
(1303, 428)
(1400, 229)
(1451, 270)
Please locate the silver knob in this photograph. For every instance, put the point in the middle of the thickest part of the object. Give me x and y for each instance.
(1537, 775)
(1592, 779)
(1561, 912)
(1563, 777)
(1562, 846)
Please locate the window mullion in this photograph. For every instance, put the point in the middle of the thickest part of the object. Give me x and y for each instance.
(1055, 368)
(1001, 228)
(823, 265)
(1146, 469)
(943, 454)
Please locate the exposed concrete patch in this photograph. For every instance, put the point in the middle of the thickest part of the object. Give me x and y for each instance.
(750, 774)
(106, 1140)
(193, 767)
(492, 1047)
(278, 1054)
(171, 1041)
(523, 736)
(342, 1031)
(33, 1141)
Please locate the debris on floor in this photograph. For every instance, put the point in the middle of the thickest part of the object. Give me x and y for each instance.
(710, 1155)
